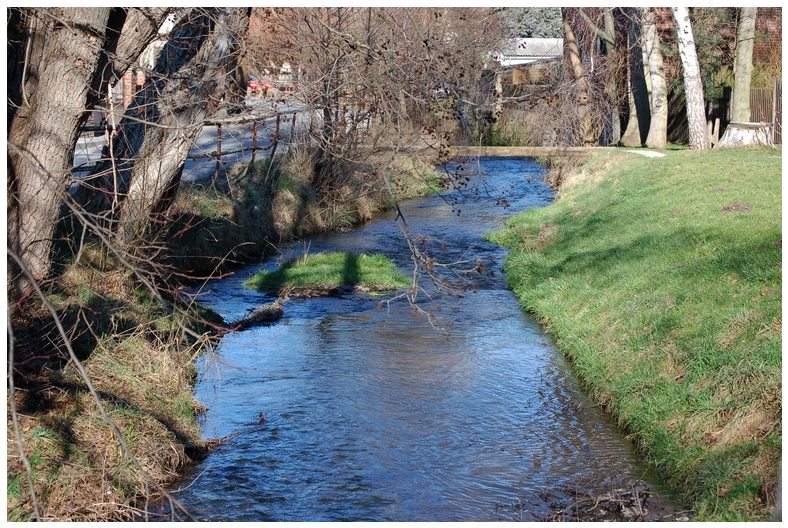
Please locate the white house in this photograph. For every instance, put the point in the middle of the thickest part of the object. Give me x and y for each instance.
(520, 51)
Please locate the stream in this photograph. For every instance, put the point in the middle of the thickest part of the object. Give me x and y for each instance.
(343, 411)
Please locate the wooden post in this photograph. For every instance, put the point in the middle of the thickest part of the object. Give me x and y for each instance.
(218, 155)
(254, 140)
(276, 136)
(292, 126)
(774, 109)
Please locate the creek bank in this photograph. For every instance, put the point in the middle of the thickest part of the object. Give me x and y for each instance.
(218, 229)
(139, 352)
(139, 359)
(667, 305)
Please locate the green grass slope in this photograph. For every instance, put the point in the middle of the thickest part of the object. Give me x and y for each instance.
(661, 281)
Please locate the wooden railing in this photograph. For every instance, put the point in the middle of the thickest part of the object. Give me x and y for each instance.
(218, 153)
(766, 106)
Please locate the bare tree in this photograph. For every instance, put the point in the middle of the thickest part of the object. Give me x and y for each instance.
(582, 84)
(608, 35)
(143, 164)
(204, 53)
(62, 58)
(376, 75)
(658, 127)
(692, 82)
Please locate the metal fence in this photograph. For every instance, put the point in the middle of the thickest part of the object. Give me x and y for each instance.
(766, 106)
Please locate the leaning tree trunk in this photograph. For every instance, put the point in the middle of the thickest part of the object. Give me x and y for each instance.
(193, 71)
(582, 85)
(65, 61)
(44, 131)
(693, 85)
(638, 96)
(742, 69)
(658, 128)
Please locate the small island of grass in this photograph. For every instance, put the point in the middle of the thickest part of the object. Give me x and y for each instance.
(324, 273)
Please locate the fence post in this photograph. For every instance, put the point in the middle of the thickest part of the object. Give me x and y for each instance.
(218, 154)
(276, 136)
(254, 140)
(774, 110)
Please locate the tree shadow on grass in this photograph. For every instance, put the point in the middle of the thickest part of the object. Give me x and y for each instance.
(350, 271)
(38, 345)
(753, 261)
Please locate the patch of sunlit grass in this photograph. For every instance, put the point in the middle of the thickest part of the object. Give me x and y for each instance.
(330, 271)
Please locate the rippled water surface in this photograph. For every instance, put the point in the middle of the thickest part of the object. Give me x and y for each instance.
(373, 414)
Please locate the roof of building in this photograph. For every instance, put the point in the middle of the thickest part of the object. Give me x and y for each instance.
(534, 48)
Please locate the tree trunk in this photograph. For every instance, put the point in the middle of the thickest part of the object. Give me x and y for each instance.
(614, 82)
(742, 69)
(192, 73)
(693, 85)
(45, 129)
(638, 96)
(658, 128)
(612, 134)
(26, 34)
(582, 85)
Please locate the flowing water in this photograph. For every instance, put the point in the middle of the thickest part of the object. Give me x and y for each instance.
(346, 411)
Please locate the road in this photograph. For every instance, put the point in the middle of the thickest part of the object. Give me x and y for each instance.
(89, 147)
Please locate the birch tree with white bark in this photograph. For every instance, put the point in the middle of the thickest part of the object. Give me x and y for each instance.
(693, 85)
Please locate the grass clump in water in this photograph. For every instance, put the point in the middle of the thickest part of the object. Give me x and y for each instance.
(660, 280)
(327, 272)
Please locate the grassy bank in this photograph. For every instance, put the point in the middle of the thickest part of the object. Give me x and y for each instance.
(139, 359)
(266, 203)
(661, 281)
(326, 272)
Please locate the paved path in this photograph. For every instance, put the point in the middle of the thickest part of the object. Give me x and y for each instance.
(537, 152)
(234, 137)
(647, 153)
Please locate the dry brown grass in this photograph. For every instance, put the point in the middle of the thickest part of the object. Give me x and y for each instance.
(141, 365)
(749, 423)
